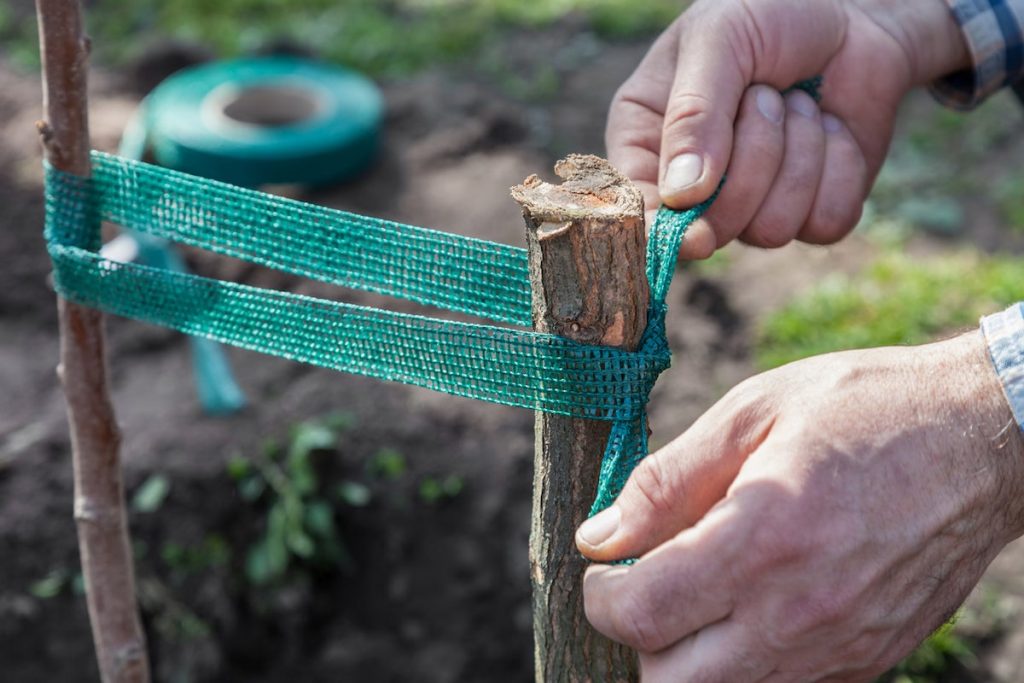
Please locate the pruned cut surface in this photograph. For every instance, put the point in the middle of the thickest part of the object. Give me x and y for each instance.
(591, 188)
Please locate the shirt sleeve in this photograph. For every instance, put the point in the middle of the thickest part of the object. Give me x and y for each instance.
(994, 31)
(1004, 334)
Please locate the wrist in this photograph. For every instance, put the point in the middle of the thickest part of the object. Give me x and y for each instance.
(928, 32)
(989, 426)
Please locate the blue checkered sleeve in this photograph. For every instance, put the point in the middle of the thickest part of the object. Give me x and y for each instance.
(994, 30)
(1004, 334)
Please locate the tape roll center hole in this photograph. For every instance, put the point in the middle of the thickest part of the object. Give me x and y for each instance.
(272, 105)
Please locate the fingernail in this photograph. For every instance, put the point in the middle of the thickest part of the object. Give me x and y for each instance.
(769, 103)
(683, 171)
(831, 124)
(600, 527)
(802, 104)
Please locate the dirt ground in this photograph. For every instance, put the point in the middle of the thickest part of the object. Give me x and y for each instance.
(437, 591)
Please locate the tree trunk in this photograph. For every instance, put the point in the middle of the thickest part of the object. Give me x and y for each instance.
(587, 247)
(95, 439)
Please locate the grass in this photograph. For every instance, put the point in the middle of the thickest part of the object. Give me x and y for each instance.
(897, 300)
(382, 37)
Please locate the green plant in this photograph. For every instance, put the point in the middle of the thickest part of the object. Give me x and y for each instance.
(51, 585)
(299, 526)
(151, 494)
(387, 463)
(433, 491)
(185, 561)
(897, 300)
(354, 493)
(174, 620)
(56, 582)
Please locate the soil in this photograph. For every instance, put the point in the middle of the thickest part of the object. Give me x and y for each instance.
(435, 591)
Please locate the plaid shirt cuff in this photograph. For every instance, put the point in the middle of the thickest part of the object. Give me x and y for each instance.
(1004, 334)
(994, 30)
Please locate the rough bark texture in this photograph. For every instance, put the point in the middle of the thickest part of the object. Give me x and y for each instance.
(95, 438)
(587, 246)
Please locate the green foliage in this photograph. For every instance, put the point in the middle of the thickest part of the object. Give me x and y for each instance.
(387, 463)
(172, 619)
(434, 491)
(897, 300)
(354, 493)
(185, 561)
(381, 37)
(56, 582)
(300, 527)
(51, 585)
(151, 494)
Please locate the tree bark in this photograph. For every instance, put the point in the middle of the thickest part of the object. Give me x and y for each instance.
(95, 439)
(587, 245)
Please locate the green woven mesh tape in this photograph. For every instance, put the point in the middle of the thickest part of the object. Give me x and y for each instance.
(499, 364)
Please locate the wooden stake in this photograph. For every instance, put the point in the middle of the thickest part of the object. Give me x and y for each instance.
(587, 247)
(95, 438)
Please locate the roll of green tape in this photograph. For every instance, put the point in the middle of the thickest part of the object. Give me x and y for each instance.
(264, 120)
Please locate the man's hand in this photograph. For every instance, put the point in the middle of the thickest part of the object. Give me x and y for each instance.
(817, 523)
(706, 100)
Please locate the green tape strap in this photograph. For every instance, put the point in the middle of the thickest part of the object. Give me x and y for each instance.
(452, 272)
(507, 366)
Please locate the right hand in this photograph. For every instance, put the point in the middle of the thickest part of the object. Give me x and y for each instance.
(705, 100)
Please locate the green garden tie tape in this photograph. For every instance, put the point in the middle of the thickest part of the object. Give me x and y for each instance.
(498, 364)
(262, 120)
(503, 365)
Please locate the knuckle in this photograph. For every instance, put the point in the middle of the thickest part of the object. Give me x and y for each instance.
(746, 399)
(652, 484)
(683, 112)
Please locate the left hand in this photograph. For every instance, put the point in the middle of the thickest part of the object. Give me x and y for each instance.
(817, 523)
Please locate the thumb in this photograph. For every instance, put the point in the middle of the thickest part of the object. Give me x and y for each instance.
(671, 489)
(712, 73)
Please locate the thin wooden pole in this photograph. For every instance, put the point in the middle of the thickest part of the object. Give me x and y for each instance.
(95, 439)
(587, 248)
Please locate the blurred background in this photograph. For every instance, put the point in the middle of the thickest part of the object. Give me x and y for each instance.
(413, 508)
